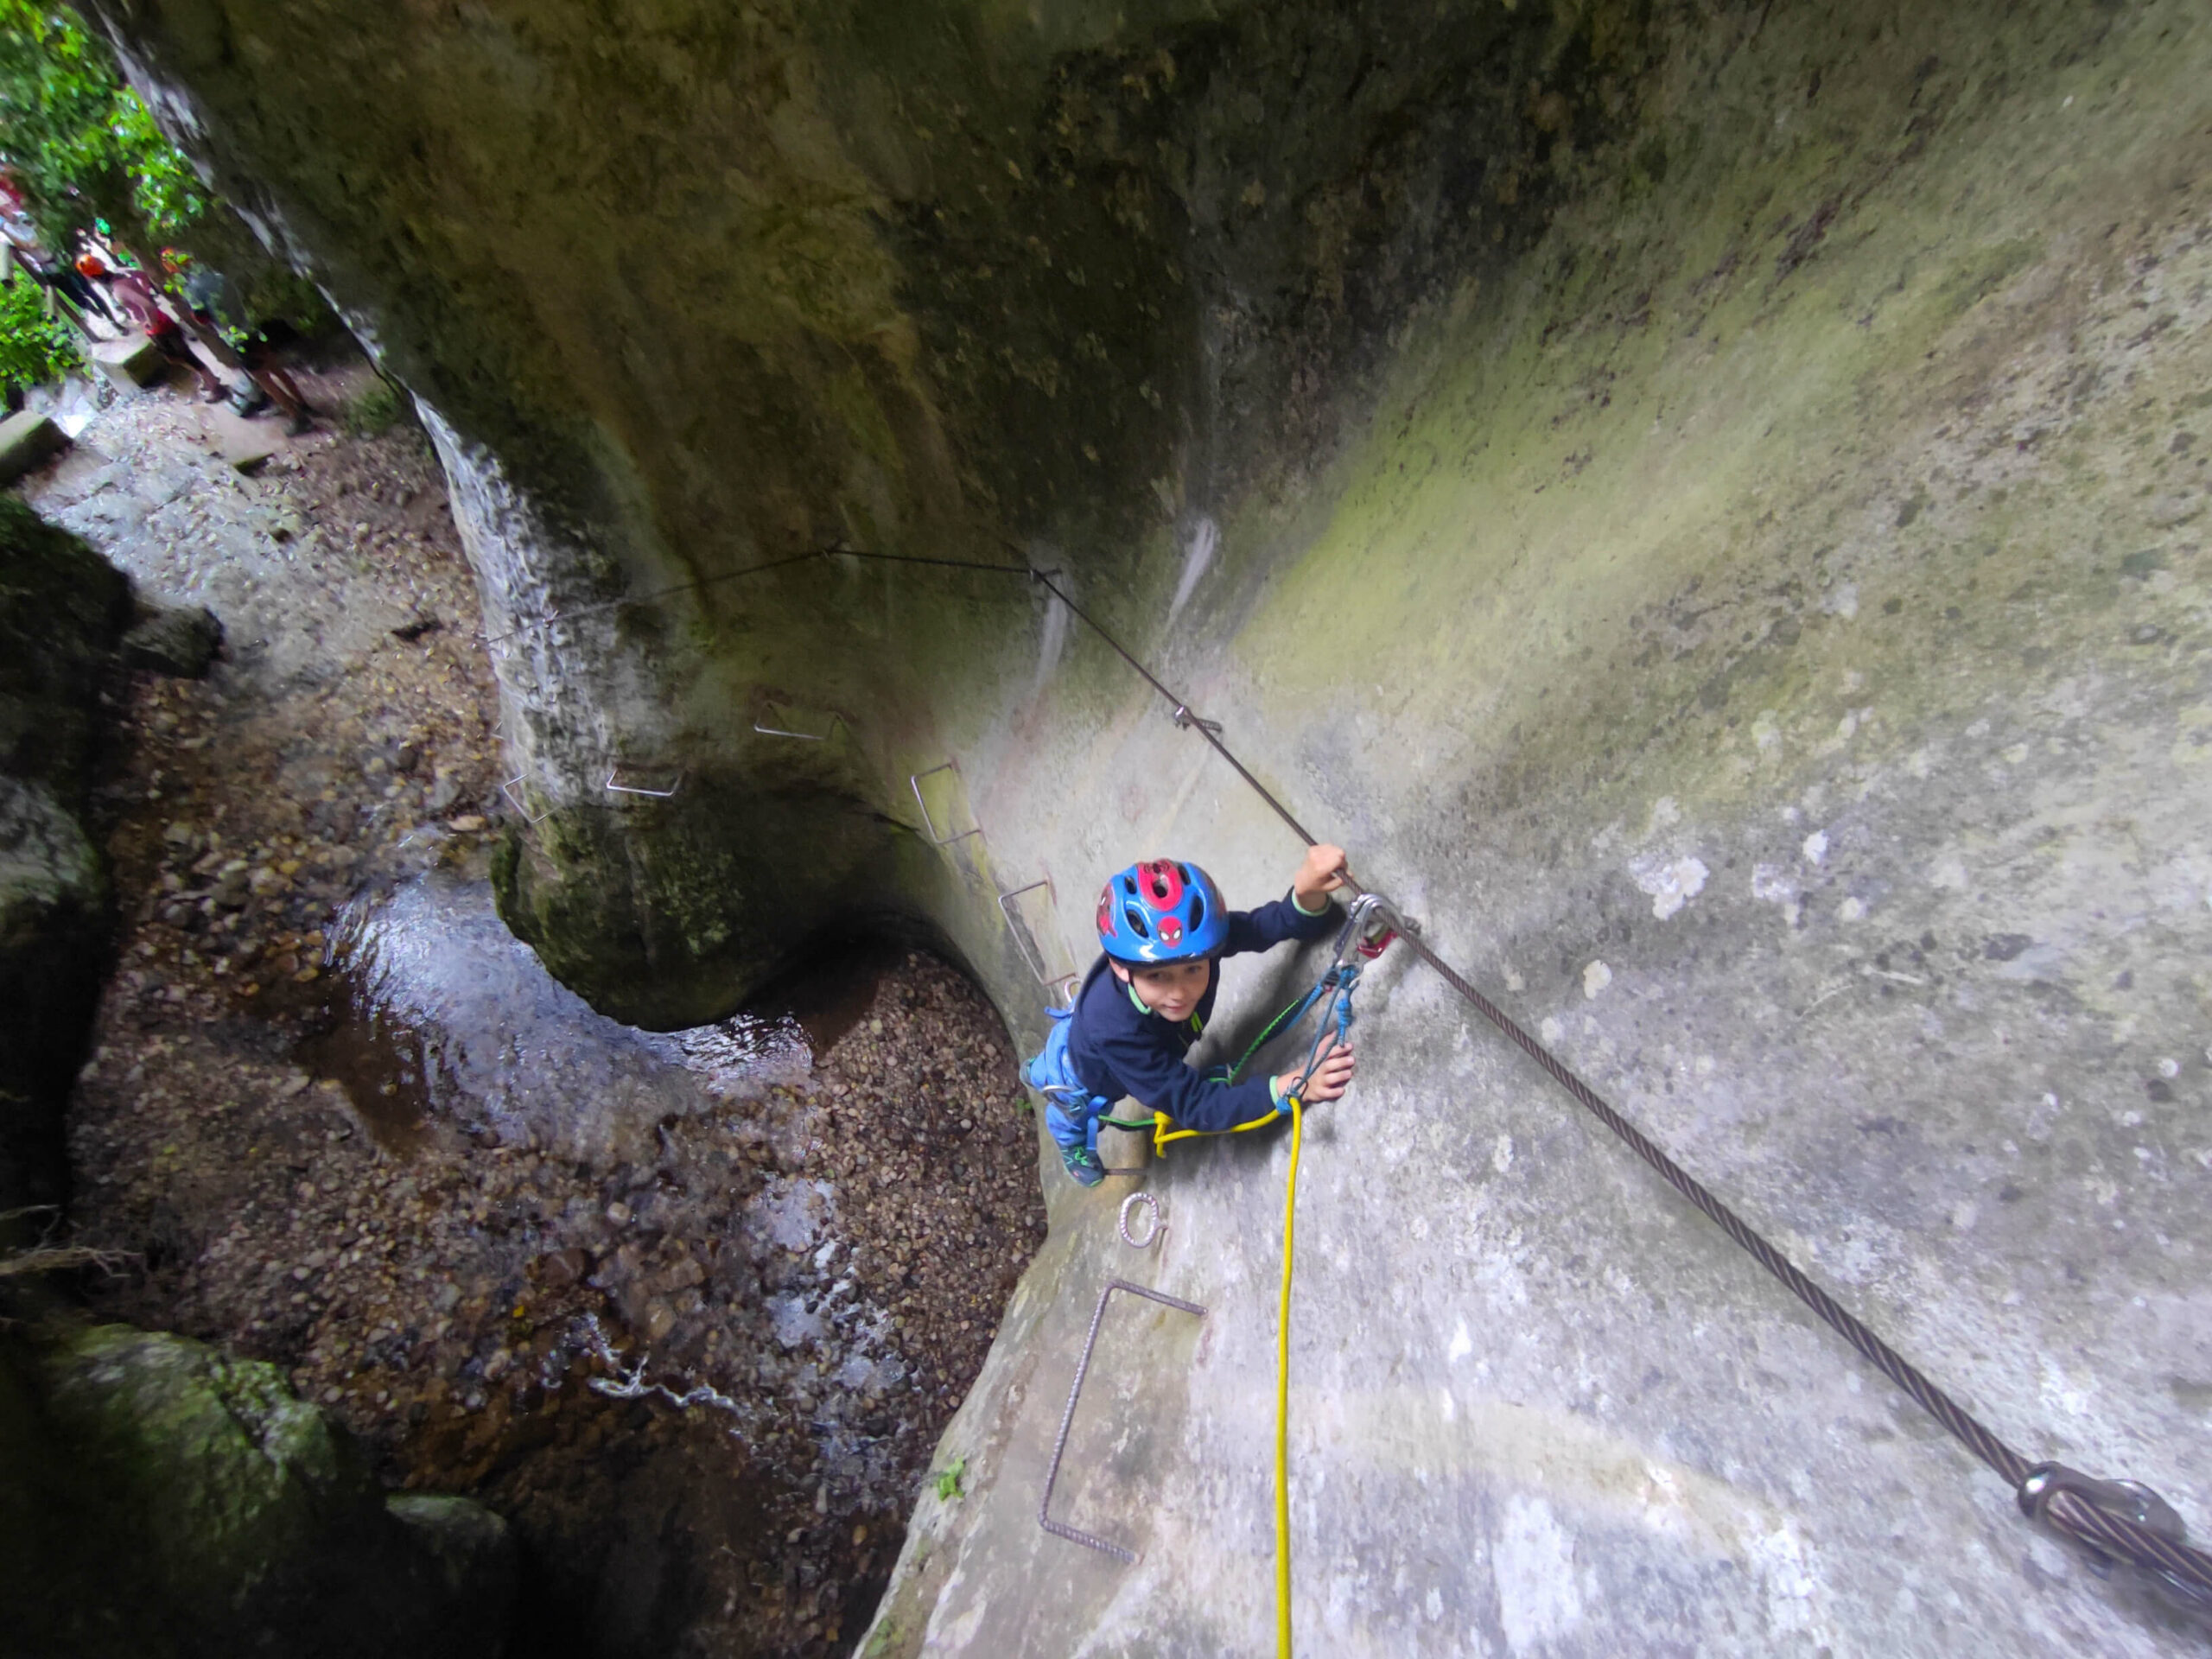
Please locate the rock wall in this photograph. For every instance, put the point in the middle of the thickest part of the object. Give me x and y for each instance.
(1705, 502)
(688, 290)
(63, 611)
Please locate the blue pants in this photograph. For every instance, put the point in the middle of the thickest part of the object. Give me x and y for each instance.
(1072, 1111)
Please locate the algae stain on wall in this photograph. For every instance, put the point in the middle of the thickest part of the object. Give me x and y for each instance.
(1549, 473)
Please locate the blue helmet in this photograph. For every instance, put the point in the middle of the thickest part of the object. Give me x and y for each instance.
(1160, 911)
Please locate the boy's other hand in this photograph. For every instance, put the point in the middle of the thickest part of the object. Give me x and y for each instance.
(1322, 873)
(1331, 1077)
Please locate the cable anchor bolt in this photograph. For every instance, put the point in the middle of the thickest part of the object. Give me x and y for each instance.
(1185, 718)
(2129, 1500)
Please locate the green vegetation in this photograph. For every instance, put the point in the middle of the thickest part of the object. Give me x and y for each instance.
(948, 1481)
(81, 143)
(34, 347)
(87, 155)
(376, 411)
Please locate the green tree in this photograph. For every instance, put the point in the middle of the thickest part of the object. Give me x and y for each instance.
(34, 348)
(82, 145)
(86, 148)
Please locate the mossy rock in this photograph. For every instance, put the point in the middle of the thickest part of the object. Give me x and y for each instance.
(160, 1497)
(669, 915)
(62, 610)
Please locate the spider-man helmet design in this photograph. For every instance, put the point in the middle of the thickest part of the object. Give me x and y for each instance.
(1160, 911)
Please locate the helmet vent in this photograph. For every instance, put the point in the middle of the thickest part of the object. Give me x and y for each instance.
(1134, 918)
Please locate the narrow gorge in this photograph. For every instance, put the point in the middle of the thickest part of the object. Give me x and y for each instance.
(1707, 502)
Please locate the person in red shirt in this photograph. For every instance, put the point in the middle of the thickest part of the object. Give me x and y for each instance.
(137, 298)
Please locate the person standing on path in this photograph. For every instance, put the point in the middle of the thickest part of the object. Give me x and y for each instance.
(136, 296)
(211, 303)
(78, 298)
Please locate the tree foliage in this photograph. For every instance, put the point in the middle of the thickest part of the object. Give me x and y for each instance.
(82, 145)
(34, 348)
(86, 148)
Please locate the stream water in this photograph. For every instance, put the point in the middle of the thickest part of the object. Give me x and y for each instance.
(700, 1227)
(449, 1025)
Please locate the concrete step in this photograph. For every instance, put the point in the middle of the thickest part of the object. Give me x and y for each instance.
(129, 363)
(25, 439)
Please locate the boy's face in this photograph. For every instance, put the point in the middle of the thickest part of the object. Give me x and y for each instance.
(1173, 990)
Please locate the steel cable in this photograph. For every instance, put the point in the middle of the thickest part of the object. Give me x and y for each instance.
(2104, 1532)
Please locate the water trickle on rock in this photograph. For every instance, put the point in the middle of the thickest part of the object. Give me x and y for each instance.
(449, 1024)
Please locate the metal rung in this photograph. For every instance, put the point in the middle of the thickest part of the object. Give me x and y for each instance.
(836, 721)
(915, 780)
(632, 789)
(1074, 983)
(1061, 1530)
(507, 788)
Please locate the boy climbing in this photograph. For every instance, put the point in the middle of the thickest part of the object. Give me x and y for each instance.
(1163, 924)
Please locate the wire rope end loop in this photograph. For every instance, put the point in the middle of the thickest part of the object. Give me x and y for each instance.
(2129, 1499)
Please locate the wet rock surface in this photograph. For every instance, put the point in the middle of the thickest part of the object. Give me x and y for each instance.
(349, 1126)
(164, 1499)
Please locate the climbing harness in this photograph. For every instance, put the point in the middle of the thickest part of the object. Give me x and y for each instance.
(1332, 991)
(2117, 1522)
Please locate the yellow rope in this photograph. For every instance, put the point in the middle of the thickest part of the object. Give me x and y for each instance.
(1282, 1396)
(1163, 1130)
(1162, 1134)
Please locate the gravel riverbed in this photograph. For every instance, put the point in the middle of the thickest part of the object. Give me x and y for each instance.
(502, 1272)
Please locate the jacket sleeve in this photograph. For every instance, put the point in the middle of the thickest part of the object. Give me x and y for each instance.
(1273, 922)
(1156, 1078)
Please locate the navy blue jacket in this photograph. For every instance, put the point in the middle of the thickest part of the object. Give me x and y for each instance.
(1119, 1049)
